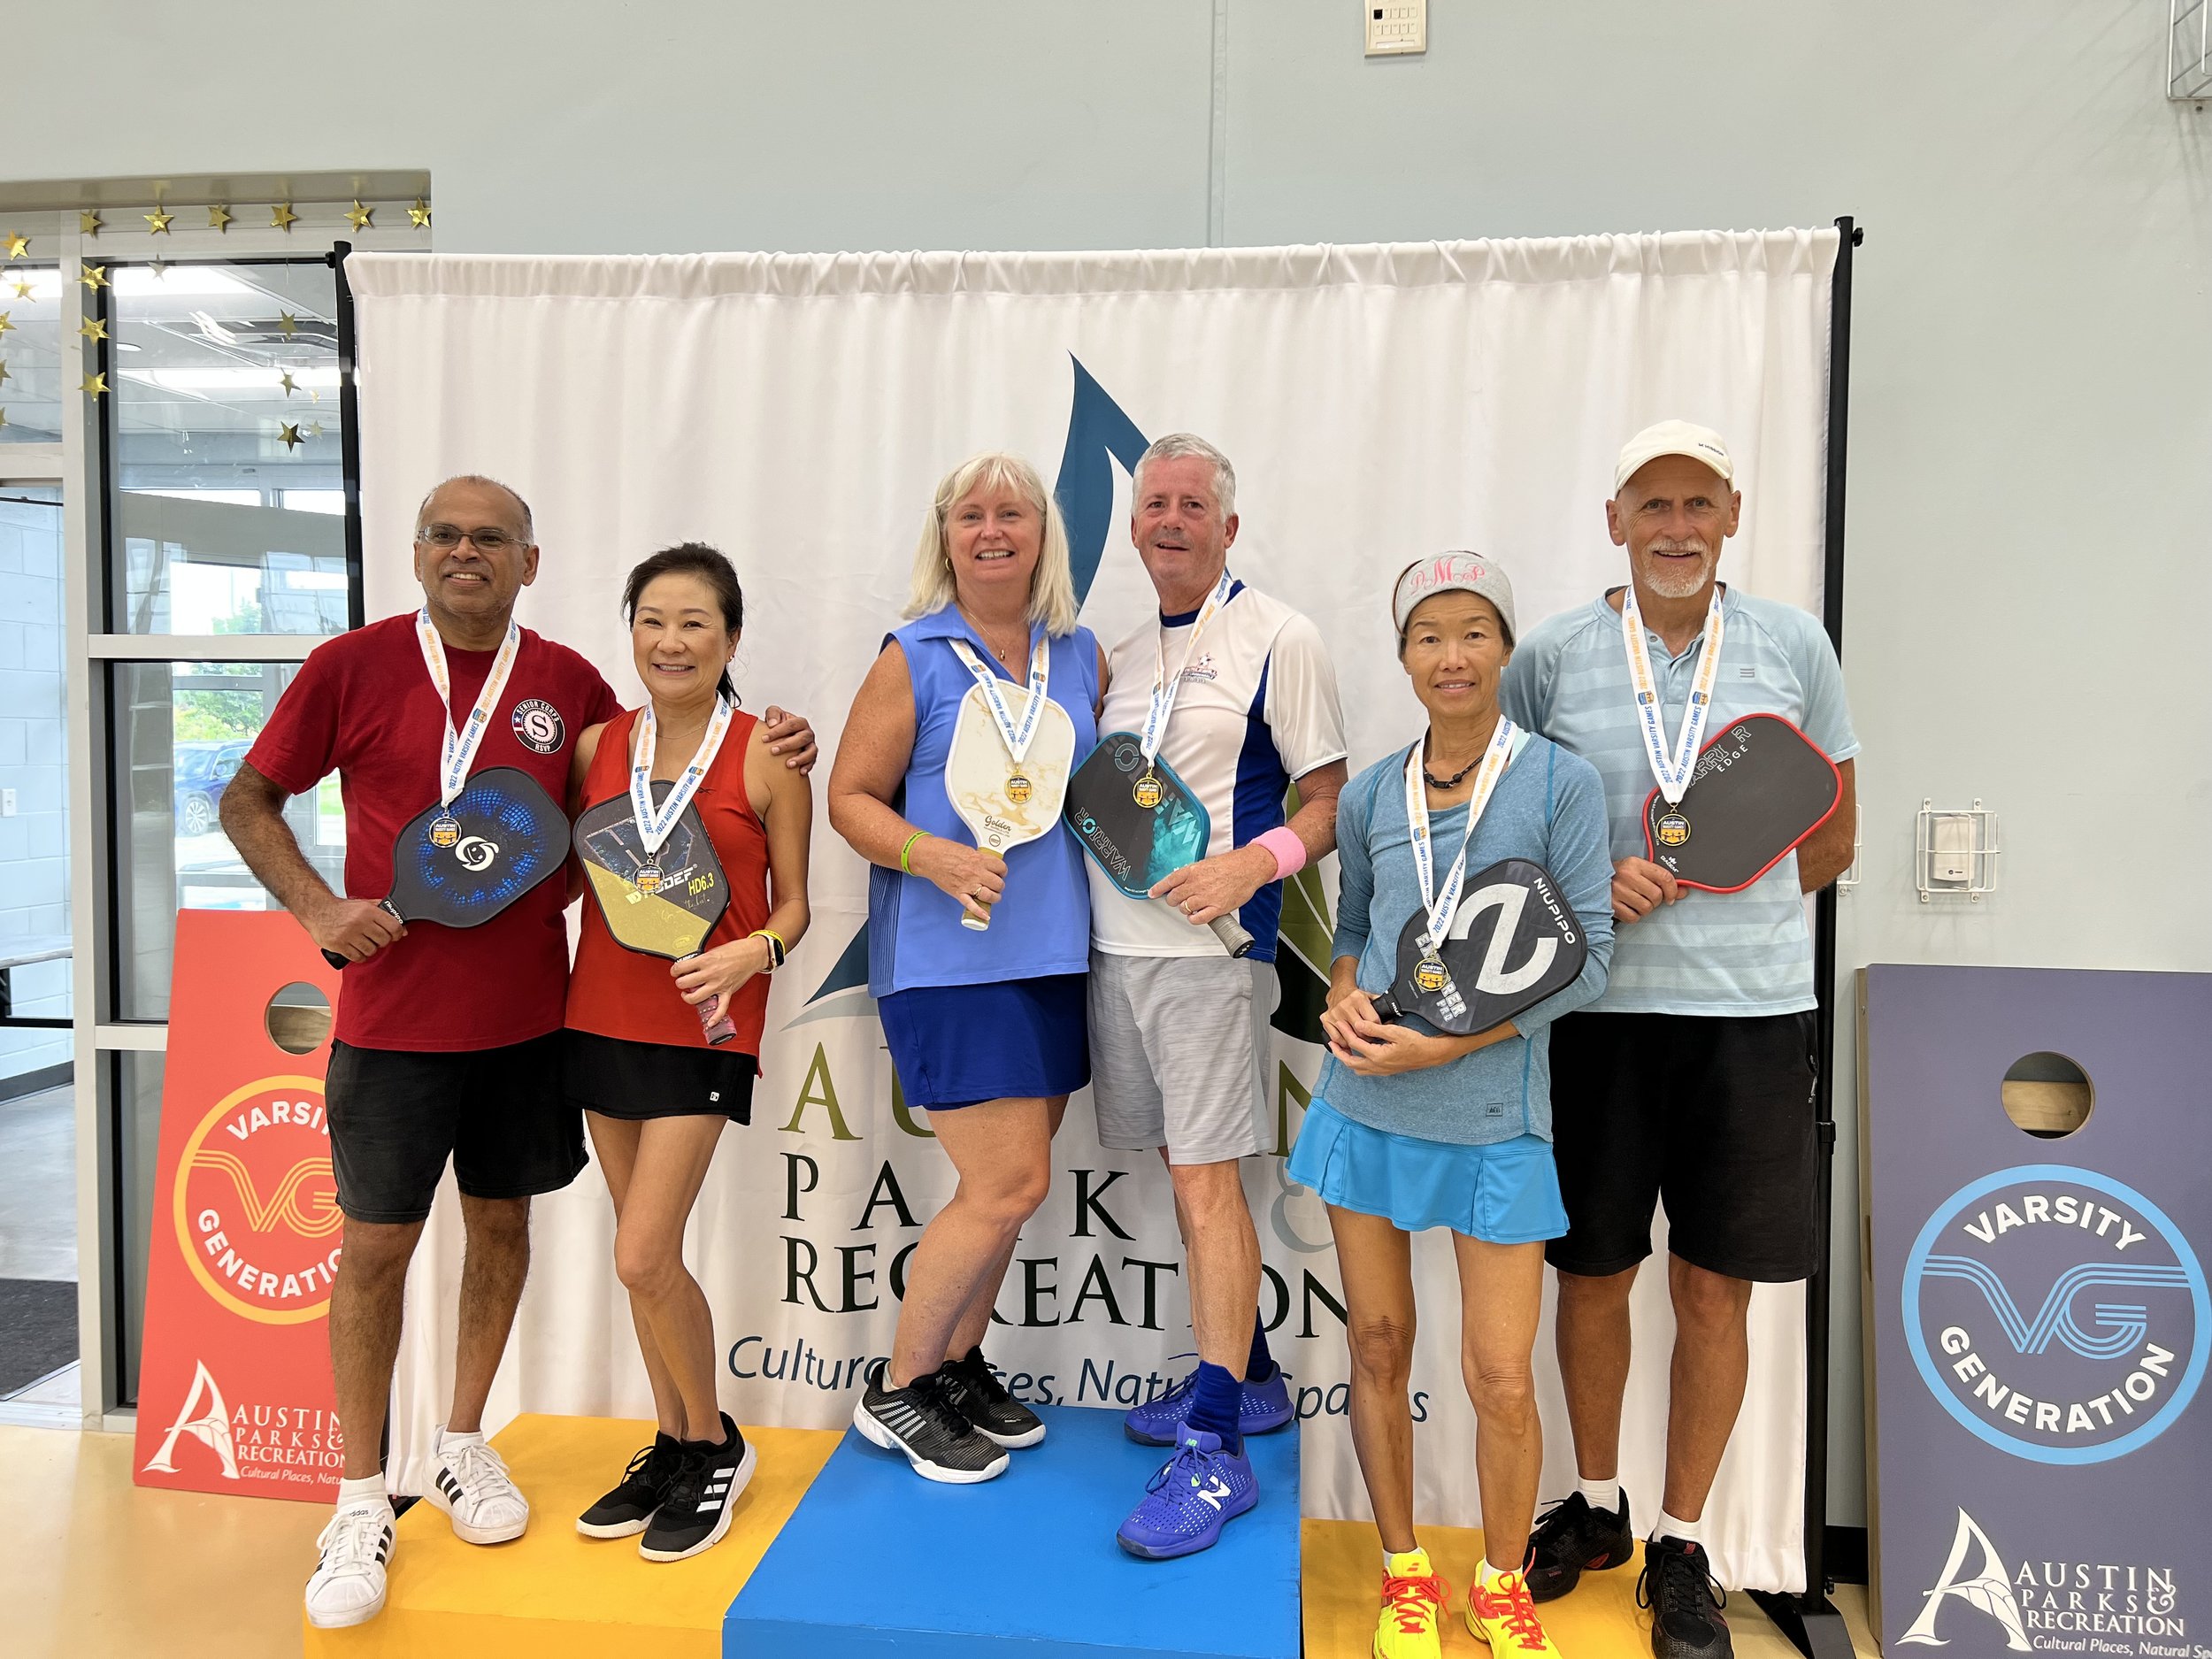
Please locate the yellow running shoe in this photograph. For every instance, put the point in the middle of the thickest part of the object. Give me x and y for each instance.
(1501, 1614)
(1412, 1596)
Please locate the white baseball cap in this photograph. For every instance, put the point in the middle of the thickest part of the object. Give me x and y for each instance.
(1673, 437)
(1470, 572)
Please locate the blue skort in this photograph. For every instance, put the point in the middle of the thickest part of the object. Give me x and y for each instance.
(1504, 1193)
(958, 1045)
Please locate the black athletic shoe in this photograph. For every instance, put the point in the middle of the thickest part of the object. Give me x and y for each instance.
(1572, 1538)
(1677, 1588)
(922, 1421)
(624, 1512)
(993, 1413)
(696, 1511)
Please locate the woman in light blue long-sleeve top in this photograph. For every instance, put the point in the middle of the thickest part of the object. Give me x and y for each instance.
(1410, 1129)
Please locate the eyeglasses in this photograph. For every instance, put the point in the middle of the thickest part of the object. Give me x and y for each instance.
(446, 537)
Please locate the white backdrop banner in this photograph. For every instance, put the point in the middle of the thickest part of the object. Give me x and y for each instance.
(1379, 402)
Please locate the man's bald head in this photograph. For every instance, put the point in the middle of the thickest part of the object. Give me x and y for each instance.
(476, 483)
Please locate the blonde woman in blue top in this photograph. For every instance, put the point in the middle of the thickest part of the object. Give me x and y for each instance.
(1410, 1129)
(987, 1030)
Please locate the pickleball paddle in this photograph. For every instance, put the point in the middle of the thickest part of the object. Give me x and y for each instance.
(1513, 940)
(672, 910)
(1757, 790)
(1139, 845)
(1003, 802)
(505, 836)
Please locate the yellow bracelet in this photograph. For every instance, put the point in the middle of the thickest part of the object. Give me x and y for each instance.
(909, 847)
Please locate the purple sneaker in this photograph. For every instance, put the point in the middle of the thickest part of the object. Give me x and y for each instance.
(1186, 1505)
(1261, 1408)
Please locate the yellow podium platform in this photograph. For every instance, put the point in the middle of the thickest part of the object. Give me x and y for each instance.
(555, 1594)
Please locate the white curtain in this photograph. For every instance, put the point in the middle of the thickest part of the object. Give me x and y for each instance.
(1379, 402)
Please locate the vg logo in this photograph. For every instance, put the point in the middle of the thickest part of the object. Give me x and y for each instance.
(2057, 1314)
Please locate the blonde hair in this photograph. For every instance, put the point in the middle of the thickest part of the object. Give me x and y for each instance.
(1051, 584)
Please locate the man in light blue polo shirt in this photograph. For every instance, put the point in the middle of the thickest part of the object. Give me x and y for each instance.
(1690, 1081)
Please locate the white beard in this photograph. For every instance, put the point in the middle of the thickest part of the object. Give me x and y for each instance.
(1668, 580)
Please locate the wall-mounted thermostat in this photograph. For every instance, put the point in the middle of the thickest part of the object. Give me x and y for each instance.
(1396, 27)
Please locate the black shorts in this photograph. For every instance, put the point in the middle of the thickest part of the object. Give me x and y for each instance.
(1712, 1114)
(636, 1080)
(396, 1114)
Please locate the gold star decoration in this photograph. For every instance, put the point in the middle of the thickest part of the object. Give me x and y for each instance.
(3, 416)
(94, 277)
(3, 373)
(315, 429)
(314, 397)
(419, 215)
(287, 322)
(93, 385)
(218, 218)
(290, 437)
(286, 381)
(156, 269)
(89, 222)
(157, 221)
(22, 287)
(283, 218)
(19, 245)
(93, 328)
(4, 324)
(360, 218)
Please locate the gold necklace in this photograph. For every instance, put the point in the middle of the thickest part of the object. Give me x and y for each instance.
(981, 632)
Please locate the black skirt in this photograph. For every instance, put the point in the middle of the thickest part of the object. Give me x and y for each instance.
(637, 1081)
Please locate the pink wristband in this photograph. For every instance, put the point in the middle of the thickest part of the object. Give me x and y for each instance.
(1289, 852)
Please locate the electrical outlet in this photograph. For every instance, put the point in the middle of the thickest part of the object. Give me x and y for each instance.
(7, 803)
(1396, 28)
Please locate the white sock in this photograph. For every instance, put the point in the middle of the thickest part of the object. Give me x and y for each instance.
(1490, 1572)
(1393, 1558)
(1672, 1526)
(454, 1436)
(1601, 1495)
(368, 1489)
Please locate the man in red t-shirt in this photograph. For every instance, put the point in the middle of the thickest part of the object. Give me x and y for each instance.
(447, 1041)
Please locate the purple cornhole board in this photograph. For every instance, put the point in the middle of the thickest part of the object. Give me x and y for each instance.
(2040, 1315)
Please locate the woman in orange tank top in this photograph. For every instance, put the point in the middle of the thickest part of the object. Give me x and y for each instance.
(662, 1054)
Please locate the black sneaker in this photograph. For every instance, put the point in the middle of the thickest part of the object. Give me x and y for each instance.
(922, 1421)
(1677, 1588)
(982, 1398)
(696, 1511)
(624, 1512)
(1572, 1538)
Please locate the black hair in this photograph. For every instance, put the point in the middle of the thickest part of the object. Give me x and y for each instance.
(692, 558)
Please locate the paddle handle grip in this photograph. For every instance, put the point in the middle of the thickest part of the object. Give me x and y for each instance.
(339, 962)
(975, 923)
(1233, 939)
(1386, 1008)
(717, 1027)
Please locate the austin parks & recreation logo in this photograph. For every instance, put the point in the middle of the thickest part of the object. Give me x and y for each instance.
(2057, 1314)
(2052, 1606)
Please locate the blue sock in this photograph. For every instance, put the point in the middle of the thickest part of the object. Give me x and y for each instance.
(1213, 1405)
(1260, 1366)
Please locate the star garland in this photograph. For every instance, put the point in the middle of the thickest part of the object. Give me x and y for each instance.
(218, 218)
(19, 245)
(89, 222)
(283, 218)
(360, 218)
(157, 221)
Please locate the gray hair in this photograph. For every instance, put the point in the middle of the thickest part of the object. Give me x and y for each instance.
(529, 533)
(1051, 584)
(1177, 445)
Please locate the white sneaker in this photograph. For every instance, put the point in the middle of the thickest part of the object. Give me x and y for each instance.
(469, 1482)
(347, 1586)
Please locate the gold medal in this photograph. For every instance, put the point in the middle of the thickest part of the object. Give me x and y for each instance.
(1673, 829)
(1017, 788)
(649, 878)
(1148, 793)
(1429, 975)
(445, 831)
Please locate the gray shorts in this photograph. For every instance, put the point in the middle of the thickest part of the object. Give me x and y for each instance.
(1179, 1053)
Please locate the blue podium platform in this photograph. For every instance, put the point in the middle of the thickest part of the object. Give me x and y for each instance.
(876, 1560)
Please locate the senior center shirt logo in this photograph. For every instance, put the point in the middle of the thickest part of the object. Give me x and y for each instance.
(257, 1206)
(2057, 1314)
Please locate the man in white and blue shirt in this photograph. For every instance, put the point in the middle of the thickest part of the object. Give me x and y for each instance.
(1238, 693)
(1690, 1081)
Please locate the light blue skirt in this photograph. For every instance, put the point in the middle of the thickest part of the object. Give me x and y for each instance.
(1504, 1193)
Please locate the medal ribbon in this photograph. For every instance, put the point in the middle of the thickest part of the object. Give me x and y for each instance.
(654, 824)
(1673, 774)
(1442, 901)
(1016, 736)
(1163, 689)
(460, 747)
